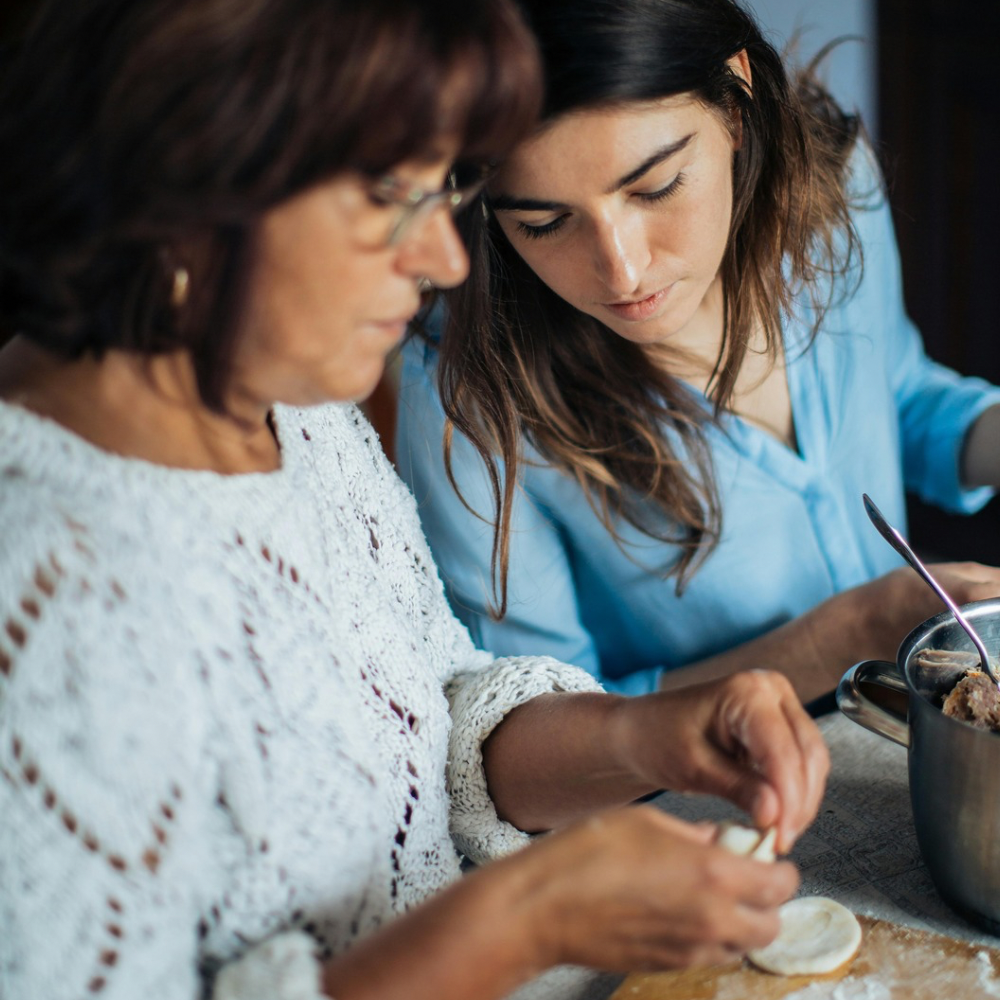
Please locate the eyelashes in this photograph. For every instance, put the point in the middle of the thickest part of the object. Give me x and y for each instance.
(650, 198)
(537, 232)
(664, 192)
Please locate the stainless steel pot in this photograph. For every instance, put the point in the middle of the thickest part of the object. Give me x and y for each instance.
(954, 768)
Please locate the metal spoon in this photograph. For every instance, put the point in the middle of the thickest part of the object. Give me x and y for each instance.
(896, 540)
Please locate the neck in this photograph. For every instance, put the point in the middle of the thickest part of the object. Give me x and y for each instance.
(140, 406)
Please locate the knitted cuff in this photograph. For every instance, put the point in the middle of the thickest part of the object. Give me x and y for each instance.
(479, 701)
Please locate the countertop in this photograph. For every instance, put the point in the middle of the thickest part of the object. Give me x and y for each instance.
(861, 851)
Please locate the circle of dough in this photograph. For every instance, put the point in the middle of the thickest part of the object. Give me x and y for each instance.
(817, 936)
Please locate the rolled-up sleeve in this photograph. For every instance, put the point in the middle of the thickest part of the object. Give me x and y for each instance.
(479, 701)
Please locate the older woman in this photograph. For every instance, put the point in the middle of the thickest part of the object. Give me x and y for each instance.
(241, 734)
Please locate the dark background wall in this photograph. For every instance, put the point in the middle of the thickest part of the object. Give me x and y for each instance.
(939, 125)
(13, 15)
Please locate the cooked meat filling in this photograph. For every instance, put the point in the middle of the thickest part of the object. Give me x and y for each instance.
(974, 699)
(968, 693)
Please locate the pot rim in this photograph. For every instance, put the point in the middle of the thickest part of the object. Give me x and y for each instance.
(920, 638)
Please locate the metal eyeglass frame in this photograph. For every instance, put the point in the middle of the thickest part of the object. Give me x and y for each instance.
(416, 203)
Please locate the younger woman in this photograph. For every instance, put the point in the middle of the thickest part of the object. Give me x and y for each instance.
(685, 296)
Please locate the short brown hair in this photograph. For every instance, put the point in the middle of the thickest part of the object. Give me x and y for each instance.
(132, 129)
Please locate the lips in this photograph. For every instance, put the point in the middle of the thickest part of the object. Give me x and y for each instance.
(640, 309)
(394, 328)
(397, 324)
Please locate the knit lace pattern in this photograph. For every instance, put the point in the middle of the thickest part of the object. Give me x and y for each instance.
(239, 726)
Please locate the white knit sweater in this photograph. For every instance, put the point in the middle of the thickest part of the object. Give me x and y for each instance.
(224, 730)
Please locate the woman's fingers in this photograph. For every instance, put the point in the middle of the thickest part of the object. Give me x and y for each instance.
(636, 888)
(773, 759)
(800, 778)
(746, 738)
(902, 600)
(967, 581)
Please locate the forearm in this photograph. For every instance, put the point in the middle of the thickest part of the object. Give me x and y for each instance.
(866, 622)
(559, 757)
(812, 651)
(472, 940)
(980, 464)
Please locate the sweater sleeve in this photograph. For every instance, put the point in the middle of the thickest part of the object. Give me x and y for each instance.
(481, 690)
(108, 786)
(479, 701)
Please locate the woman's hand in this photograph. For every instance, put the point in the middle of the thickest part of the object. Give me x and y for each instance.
(627, 889)
(746, 738)
(892, 605)
(637, 889)
(866, 622)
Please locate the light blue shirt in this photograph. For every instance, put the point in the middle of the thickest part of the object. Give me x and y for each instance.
(872, 415)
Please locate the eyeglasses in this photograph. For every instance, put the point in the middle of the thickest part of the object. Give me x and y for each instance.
(412, 204)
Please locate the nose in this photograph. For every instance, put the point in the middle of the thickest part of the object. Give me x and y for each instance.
(621, 255)
(434, 250)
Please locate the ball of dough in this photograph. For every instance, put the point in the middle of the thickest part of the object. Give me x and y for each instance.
(817, 936)
(747, 841)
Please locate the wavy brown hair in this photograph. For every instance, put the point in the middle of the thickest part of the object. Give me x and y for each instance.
(135, 130)
(518, 363)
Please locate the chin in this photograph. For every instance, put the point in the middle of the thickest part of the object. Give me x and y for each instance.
(645, 336)
(348, 385)
(361, 390)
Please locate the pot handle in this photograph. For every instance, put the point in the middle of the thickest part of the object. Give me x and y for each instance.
(861, 709)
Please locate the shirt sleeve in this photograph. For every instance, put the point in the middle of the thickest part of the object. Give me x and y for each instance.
(937, 406)
(543, 616)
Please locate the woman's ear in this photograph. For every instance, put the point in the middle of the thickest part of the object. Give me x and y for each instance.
(739, 65)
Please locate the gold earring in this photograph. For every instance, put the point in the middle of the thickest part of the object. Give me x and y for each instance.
(179, 291)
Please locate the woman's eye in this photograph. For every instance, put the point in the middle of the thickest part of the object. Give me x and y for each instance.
(663, 192)
(537, 232)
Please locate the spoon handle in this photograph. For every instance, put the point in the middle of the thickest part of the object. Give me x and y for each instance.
(896, 540)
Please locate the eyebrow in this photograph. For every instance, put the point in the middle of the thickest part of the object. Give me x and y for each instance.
(506, 203)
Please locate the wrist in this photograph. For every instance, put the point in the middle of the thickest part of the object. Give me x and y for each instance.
(518, 897)
(480, 937)
(634, 726)
(875, 616)
(837, 632)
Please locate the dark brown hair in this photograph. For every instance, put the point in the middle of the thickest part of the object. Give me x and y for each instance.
(136, 130)
(518, 360)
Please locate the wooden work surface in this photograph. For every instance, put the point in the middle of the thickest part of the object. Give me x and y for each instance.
(894, 962)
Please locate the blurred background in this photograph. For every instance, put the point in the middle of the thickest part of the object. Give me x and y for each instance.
(804, 27)
(922, 74)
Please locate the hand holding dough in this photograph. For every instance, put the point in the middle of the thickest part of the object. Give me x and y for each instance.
(817, 934)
